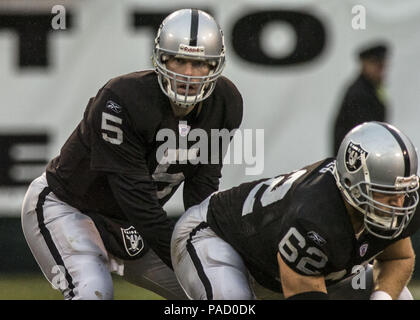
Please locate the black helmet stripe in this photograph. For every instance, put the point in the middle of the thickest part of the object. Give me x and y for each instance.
(194, 27)
(402, 146)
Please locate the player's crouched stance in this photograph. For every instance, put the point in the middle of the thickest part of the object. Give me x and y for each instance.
(98, 208)
(303, 234)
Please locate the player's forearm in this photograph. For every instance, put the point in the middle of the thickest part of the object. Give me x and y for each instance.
(393, 275)
(137, 198)
(199, 188)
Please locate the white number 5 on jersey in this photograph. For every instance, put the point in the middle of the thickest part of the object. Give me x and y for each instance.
(107, 120)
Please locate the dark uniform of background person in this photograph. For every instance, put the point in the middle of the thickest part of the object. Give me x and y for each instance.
(364, 99)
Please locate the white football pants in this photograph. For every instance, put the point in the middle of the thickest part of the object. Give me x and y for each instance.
(72, 256)
(208, 268)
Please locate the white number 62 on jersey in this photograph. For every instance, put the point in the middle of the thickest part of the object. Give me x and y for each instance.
(291, 254)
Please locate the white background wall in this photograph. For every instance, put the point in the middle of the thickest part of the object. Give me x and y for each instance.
(295, 105)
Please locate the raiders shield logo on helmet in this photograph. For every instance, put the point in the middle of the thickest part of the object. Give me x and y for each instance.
(133, 242)
(354, 154)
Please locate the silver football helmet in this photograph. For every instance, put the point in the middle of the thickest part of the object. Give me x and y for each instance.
(376, 160)
(189, 34)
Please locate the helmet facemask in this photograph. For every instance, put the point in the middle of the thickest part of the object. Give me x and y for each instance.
(381, 219)
(197, 88)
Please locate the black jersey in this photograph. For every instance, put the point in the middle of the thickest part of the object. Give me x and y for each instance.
(301, 215)
(109, 164)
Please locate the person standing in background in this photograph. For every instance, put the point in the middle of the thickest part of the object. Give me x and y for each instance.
(364, 99)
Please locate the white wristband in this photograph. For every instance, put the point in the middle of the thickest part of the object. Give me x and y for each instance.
(380, 295)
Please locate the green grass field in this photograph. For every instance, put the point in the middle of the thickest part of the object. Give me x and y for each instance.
(35, 287)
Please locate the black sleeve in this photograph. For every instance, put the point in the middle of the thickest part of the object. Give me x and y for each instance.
(115, 144)
(202, 184)
(118, 150)
(136, 195)
(235, 109)
(303, 249)
(206, 180)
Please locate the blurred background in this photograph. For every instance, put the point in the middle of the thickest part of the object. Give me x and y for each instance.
(292, 61)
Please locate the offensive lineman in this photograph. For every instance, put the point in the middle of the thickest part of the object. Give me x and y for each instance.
(301, 234)
(98, 208)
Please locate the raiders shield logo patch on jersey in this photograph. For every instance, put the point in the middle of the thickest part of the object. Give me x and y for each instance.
(133, 242)
(354, 154)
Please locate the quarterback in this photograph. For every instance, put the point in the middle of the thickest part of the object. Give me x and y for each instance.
(302, 233)
(98, 207)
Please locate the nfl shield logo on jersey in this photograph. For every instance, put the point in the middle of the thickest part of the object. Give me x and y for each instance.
(183, 128)
(363, 249)
(133, 242)
(354, 154)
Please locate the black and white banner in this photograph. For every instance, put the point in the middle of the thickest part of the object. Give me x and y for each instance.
(291, 60)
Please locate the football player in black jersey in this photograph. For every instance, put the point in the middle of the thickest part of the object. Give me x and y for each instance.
(311, 233)
(98, 207)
